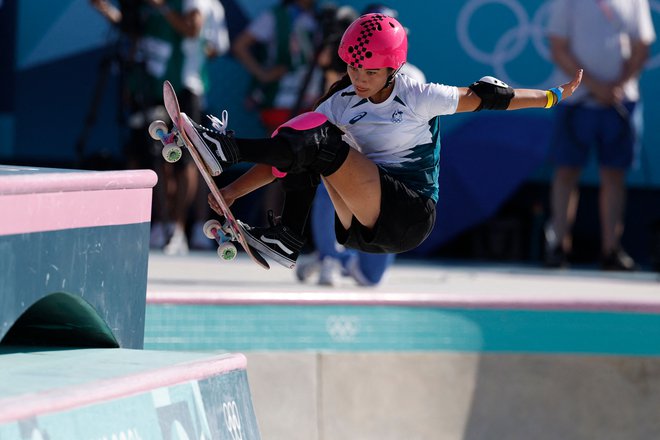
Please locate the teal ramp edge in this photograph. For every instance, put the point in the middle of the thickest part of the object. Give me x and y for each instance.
(396, 328)
(207, 397)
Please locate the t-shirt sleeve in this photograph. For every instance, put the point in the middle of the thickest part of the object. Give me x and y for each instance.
(645, 30)
(191, 5)
(436, 99)
(326, 108)
(263, 27)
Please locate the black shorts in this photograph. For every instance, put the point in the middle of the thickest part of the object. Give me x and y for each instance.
(406, 219)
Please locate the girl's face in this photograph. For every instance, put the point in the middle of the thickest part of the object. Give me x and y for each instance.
(369, 83)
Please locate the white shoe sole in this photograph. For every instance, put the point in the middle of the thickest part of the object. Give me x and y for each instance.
(208, 156)
(268, 252)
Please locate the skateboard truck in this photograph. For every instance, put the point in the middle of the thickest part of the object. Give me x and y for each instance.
(171, 149)
(223, 236)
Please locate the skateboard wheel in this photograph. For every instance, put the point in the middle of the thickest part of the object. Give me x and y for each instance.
(154, 127)
(209, 227)
(172, 153)
(227, 251)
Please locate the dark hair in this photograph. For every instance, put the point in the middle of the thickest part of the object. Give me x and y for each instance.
(340, 84)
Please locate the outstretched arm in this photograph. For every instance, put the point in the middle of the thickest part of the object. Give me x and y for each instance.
(469, 101)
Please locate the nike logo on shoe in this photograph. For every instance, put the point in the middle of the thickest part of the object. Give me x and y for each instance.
(276, 242)
(218, 149)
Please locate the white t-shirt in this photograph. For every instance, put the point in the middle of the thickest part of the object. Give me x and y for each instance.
(600, 33)
(400, 134)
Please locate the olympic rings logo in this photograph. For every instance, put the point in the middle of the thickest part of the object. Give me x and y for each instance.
(513, 42)
(342, 328)
(232, 420)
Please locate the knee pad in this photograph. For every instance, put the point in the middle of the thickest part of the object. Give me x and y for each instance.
(315, 142)
(304, 121)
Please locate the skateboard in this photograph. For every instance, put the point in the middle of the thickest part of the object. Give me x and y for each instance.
(227, 233)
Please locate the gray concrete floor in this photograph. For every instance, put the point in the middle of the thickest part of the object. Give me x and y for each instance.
(203, 275)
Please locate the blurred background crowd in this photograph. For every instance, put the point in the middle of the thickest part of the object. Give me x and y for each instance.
(79, 84)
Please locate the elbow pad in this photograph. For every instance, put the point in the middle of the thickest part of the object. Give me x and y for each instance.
(494, 94)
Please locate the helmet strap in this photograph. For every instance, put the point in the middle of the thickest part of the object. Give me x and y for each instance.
(390, 78)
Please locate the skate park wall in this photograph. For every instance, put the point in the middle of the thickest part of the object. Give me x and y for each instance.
(125, 394)
(342, 367)
(74, 249)
(63, 52)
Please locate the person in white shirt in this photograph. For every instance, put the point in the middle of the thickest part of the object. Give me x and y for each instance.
(610, 39)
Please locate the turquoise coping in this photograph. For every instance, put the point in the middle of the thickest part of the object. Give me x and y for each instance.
(396, 328)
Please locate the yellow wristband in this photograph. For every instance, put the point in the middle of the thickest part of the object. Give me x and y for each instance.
(551, 99)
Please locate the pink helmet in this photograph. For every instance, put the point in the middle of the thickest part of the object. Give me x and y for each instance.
(374, 41)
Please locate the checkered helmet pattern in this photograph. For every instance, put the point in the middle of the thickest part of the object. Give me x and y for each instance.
(374, 41)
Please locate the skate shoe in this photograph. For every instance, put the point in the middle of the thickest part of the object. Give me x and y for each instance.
(307, 266)
(216, 145)
(618, 260)
(328, 275)
(178, 244)
(276, 242)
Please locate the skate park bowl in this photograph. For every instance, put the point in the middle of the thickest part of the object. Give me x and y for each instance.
(74, 251)
(436, 352)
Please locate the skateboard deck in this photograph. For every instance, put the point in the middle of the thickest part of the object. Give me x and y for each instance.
(231, 230)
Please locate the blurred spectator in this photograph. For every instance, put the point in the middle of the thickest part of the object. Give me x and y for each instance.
(170, 45)
(610, 40)
(277, 49)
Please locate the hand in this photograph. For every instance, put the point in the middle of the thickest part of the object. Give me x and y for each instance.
(570, 87)
(273, 74)
(215, 206)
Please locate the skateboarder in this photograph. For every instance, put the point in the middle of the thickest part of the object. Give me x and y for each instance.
(373, 139)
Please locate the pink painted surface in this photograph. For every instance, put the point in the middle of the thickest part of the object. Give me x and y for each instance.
(43, 202)
(42, 212)
(303, 121)
(47, 182)
(55, 400)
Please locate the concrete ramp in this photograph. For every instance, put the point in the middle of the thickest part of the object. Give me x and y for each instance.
(74, 249)
(446, 353)
(124, 394)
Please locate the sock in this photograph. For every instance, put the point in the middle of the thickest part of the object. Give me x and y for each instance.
(271, 151)
(296, 209)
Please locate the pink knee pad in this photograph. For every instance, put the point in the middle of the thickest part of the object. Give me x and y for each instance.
(303, 121)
